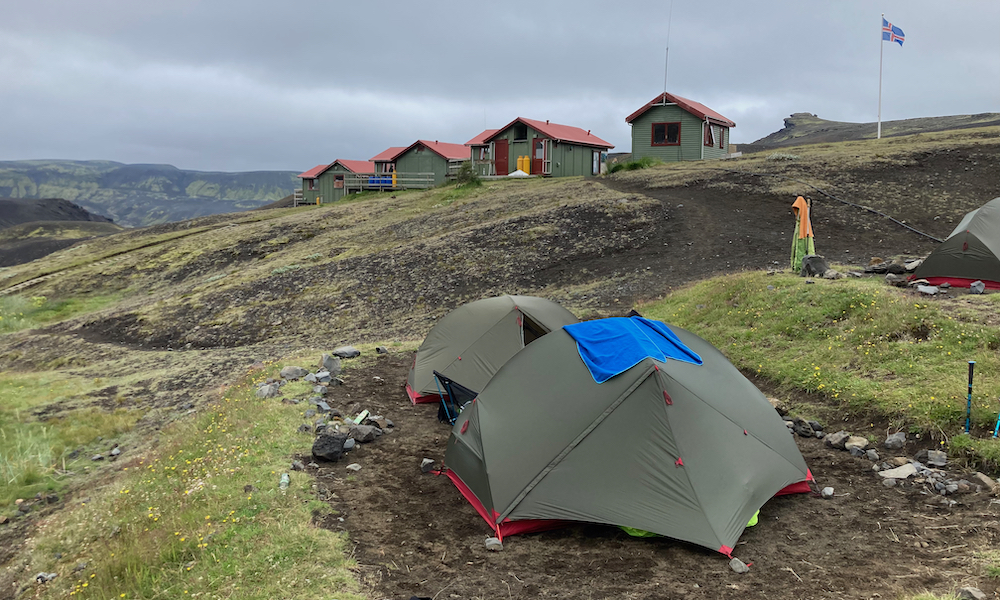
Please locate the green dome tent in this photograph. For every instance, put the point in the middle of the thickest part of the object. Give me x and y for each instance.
(472, 342)
(970, 253)
(685, 450)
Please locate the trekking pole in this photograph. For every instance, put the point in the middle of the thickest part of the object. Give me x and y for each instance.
(996, 430)
(968, 405)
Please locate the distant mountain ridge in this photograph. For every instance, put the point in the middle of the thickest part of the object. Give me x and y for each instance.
(15, 211)
(143, 194)
(807, 128)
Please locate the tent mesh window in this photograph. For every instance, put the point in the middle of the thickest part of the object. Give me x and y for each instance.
(530, 330)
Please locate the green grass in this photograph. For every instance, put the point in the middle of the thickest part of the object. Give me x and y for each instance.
(858, 343)
(17, 312)
(178, 521)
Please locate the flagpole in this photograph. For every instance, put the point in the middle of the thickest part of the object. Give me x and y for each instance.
(881, 46)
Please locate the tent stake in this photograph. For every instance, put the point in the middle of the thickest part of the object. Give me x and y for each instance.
(996, 430)
(968, 404)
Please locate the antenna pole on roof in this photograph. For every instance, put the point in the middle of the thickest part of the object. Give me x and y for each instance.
(666, 58)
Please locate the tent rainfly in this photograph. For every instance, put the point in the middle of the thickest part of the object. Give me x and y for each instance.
(472, 342)
(677, 443)
(971, 253)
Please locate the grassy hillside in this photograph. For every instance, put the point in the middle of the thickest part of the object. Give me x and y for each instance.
(153, 339)
(806, 128)
(137, 195)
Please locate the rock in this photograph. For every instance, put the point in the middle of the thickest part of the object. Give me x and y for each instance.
(47, 577)
(832, 274)
(494, 544)
(896, 269)
(809, 281)
(911, 265)
(827, 493)
(319, 389)
(801, 427)
(856, 441)
(836, 440)
(738, 566)
(855, 274)
(331, 364)
(971, 593)
(292, 372)
(298, 466)
(951, 488)
(928, 290)
(815, 425)
(944, 286)
(364, 433)
(309, 413)
(977, 287)
(427, 465)
(871, 455)
(322, 407)
(899, 461)
(346, 352)
(268, 390)
(320, 428)
(305, 428)
(895, 441)
(903, 472)
(986, 481)
(116, 451)
(381, 350)
(889, 482)
(350, 444)
(855, 451)
(896, 280)
(311, 378)
(323, 376)
(354, 467)
(329, 446)
(4, 519)
(813, 264)
(937, 458)
(97, 457)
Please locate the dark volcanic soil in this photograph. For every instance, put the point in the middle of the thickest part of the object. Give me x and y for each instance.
(416, 535)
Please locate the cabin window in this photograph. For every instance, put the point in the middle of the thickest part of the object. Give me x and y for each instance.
(484, 153)
(338, 181)
(722, 137)
(666, 134)
(312, 184)
(520, 131)
(709, 135)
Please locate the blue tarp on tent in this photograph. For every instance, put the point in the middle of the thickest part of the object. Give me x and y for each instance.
(615, 345)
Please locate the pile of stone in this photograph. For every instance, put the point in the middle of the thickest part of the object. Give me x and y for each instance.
(336, 434)
(926, 471)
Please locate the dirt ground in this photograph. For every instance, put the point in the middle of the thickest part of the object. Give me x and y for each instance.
(414, 534)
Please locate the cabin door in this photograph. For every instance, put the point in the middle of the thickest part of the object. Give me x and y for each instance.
(501, 157)
(539, 156)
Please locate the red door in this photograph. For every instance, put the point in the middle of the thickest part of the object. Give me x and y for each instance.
(500, 160)
(537, 156)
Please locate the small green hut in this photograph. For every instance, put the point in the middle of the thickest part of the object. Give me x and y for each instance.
(671, 128)
(550, 149)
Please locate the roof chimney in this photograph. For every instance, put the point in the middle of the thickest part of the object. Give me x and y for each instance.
(546, 121)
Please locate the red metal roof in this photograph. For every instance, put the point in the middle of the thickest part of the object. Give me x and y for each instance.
(559, 133)
(314, 172)
(356, 166)
(695, 108)
(389, 154)
(480, 139)
(443, 149)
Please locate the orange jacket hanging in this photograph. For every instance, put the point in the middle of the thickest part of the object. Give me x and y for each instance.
(801, 210)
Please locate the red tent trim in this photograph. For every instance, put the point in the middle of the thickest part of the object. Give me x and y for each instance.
(960, 282)
(418, 399)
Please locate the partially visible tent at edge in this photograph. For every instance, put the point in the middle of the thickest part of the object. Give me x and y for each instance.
(970, 253)
(472, 342)
(803, 242)
(669, 446)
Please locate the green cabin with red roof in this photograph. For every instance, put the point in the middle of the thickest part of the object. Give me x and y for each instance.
(424, 157)
(329, 183)
(552, 150)
(671, 128)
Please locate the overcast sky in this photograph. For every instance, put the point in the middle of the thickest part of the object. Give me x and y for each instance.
(237, 85)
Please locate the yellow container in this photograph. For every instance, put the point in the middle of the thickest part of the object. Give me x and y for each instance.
(393, 179)
(527, 165)
(520, 163)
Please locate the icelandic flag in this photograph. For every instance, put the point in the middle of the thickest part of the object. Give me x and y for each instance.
(891, 33)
